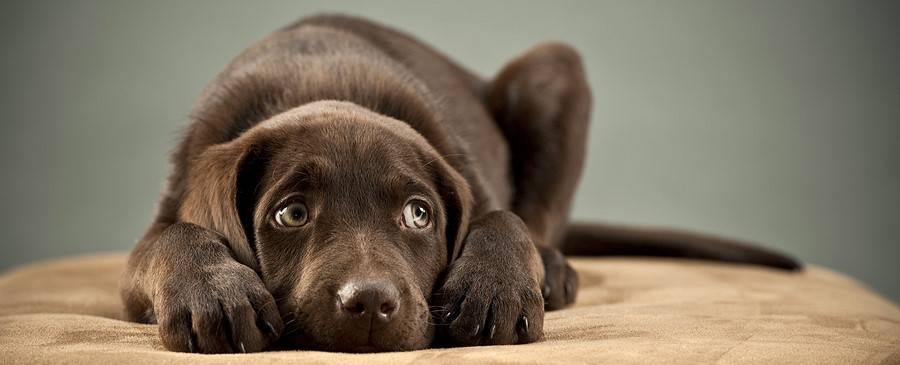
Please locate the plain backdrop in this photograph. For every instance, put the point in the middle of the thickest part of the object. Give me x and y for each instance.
(771, 121)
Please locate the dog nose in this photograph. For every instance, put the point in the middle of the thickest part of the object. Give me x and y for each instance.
(369, 299)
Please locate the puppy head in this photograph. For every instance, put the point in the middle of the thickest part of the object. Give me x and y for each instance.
(349, 217)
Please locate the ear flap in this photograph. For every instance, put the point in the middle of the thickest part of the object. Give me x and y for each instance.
(457, 197)
(222, 189)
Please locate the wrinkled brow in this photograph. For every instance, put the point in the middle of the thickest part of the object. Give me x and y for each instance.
(305, 171)
(404, 181)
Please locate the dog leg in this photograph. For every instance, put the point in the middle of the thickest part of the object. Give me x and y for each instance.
(489, 297)
(542, 103)
(184, 277)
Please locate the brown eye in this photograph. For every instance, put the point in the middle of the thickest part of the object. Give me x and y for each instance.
(415, 214)
(293, 215)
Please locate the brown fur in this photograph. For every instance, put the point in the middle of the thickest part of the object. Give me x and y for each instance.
(353, 120)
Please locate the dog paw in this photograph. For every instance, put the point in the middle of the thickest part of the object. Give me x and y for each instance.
(560, 280)
(221, 308)
(491, 294)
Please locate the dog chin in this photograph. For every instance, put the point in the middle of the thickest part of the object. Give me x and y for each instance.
(299, 340)
(381, 343)
(299, 343)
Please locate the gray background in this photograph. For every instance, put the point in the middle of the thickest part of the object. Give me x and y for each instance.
(777, 122)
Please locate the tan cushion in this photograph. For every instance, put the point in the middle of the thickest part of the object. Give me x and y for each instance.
(629, 310)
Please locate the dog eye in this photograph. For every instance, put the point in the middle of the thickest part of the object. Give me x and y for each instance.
(415, 214)
(293, 215)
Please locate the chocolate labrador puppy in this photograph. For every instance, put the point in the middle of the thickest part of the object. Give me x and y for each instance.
(344, 187)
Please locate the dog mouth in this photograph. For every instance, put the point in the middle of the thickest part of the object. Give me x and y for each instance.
(364, 316)
(300, 334)
(367, 348)
(297, 341)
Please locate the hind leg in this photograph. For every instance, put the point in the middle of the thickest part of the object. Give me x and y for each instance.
(542, 103)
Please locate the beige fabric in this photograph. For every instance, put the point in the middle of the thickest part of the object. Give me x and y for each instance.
(629, 310)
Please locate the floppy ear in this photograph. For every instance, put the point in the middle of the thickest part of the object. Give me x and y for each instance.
(222, 190)
(457, 197)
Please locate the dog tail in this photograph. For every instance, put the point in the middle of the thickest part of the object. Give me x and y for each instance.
(583, 239)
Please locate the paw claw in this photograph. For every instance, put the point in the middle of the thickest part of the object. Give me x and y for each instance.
(271, 330)
(560, 281)
(523, 324)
